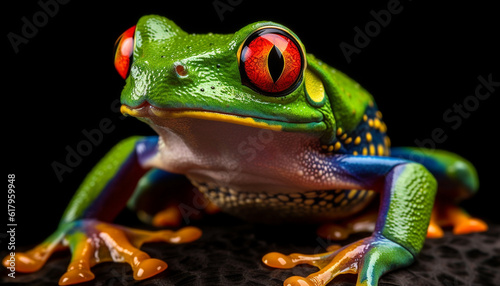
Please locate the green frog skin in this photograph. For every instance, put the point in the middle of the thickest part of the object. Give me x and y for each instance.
(268, 133)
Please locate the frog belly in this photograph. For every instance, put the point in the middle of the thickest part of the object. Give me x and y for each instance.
(309, 206)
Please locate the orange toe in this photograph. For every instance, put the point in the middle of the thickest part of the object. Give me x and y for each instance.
(299, 281)
(333, 231)
(278, 260)
(434, 231)
(148, 268)
(76, 276)
(23, 262)
(171, 216)
(470, 225)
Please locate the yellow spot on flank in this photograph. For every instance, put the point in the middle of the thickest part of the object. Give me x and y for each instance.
(337, 146)
(387, 141)
(328, 198)
(355, 153)
(372, 149)
(330, 148)
(365, 117)
(378, 114)
(369, 137)
(365, 151)
(351, 194)
(339, 198)
(343, 136)
(348, 140)
(370, 122)
(383, 127)
(380, 149)
(361, 193)
(339, 131)
(309, 202)
(377, 123)
(324, 147)
(357, 140)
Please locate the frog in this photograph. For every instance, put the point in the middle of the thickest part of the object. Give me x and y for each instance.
(265, 132)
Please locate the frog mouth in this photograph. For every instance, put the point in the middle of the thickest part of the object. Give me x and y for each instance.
(148, 110)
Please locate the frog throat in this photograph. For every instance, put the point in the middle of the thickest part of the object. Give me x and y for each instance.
(148, 110)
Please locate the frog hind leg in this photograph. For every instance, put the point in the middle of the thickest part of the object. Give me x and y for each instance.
(164, 199)
(157, 196)
(457, 180)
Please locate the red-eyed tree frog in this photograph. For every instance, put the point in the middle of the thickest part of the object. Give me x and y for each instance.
(268, 133)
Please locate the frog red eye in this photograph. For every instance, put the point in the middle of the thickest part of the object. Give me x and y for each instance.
(271, 62)
(124, 48)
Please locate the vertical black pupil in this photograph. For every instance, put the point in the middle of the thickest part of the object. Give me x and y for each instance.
(275, 63)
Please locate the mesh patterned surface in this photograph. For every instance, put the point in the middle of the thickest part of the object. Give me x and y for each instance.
(230, 252)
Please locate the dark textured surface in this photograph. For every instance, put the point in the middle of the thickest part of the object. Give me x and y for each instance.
(230, 250)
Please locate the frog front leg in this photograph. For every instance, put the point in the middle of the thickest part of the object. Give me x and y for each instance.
(407, 194)
(85, 227)
(457, 180)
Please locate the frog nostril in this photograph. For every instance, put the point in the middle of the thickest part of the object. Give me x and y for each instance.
(180, 70)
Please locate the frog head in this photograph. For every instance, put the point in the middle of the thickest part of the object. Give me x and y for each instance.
(256, 77)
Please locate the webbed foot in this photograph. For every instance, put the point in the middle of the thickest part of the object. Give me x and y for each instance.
(92, 242)
(452, 215)
(370, 258)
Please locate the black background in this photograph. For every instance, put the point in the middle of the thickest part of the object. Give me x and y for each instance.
(63, 81)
